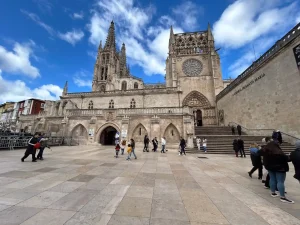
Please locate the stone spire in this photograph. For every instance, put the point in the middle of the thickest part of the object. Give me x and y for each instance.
(110, 43)
(123, 60)
(100, 47)
(172, 37)
(209, 33)
(65, 90)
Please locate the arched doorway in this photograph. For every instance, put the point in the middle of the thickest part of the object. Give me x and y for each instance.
(107, 136)
(198, 118)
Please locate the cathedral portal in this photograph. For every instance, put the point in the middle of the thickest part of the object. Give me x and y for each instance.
(107, 136)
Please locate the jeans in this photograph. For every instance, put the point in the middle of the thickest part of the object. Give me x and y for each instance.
(163, 148)
(40, 155)
(132, 152)
(122, 150)
(145, 147)
(204, 148)
(277, 179)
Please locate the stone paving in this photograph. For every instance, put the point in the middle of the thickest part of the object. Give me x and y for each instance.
(86, 185)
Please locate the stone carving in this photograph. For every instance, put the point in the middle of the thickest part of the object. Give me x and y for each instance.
(93, 120)
(110, 116)
(192, 67)
(102, 88)
(221, 116)
(196, 99)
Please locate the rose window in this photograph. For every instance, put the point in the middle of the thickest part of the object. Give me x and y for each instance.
(192, 67)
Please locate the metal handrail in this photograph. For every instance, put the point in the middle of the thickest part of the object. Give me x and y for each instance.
(268, 131)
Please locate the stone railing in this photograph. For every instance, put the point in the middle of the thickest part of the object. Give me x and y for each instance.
(155, 111)
(267, 132)
(84, 112)
(128, 111)
(290, 36)
(146, 90)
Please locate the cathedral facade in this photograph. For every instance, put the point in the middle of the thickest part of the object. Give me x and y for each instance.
(121, 102)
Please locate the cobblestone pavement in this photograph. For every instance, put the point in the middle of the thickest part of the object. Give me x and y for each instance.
(87, 185)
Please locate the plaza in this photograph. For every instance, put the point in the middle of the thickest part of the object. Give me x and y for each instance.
(87, 185)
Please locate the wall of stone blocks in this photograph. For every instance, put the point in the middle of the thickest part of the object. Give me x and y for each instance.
(272, 101)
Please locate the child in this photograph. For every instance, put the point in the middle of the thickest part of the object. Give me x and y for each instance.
(117, 150)
(123, 146)
(129, 149)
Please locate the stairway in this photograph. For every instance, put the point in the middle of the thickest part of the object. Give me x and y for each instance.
(219, 141)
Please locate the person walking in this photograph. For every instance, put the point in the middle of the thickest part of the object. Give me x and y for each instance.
(44, 143)
(117, 148)
(240, 144)
(256, 161)
(198, 141)
(182, 145)
(31, 148)
(163, 145)
(232, 130)
(129, 150)
(146, 144)
(132, 144)
(155, 144)
(295, 158)
(204, 144)
(276, 162)
(239, 129)
(235, 147)
(123, 146)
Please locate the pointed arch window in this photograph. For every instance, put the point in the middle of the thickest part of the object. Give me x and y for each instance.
(111, 104)
(132, 104)
(91, 105)
(136, 85)
(124, 86)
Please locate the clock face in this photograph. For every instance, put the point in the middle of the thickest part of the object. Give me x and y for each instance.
(192, 67)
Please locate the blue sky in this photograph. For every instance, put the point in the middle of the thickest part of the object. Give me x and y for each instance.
(44, 43)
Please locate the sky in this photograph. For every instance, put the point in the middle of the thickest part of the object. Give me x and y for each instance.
(44, 43)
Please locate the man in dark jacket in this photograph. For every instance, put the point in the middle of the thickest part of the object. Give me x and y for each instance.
(240, 144)
(146, 143)
(155, 144)
(239, 129)
(235, 147)
(232, 130)
(31, 148)
(182, 146)
(295, 158)
(276, 162)
(279, 136)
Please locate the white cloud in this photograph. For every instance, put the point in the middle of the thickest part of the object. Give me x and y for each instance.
(146, 46)
(79, 15)
(17, 90)
(246, 20)
(44, 5)
(253, 52)
(187, 13)
(38, 21)
(72, 36)
(18, 60)
(81, 79)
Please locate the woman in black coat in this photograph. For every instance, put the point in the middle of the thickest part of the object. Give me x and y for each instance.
(235, 147)
(31, 148)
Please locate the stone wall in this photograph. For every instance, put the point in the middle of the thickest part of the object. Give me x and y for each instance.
(269, 98)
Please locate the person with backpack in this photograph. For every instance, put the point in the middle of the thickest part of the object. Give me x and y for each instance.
(256, 161)
(123, 146)
(117, 148)
(33, 144)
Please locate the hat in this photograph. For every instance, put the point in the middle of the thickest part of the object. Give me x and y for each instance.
(297, 144)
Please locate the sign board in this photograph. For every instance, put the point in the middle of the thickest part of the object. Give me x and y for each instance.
(297, 55)
(91, 132)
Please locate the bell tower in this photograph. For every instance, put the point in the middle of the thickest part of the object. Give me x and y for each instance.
(107, 63)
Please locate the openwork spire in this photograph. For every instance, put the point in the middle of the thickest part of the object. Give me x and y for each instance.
(110, 43)
(172, 38)
(65, 90)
